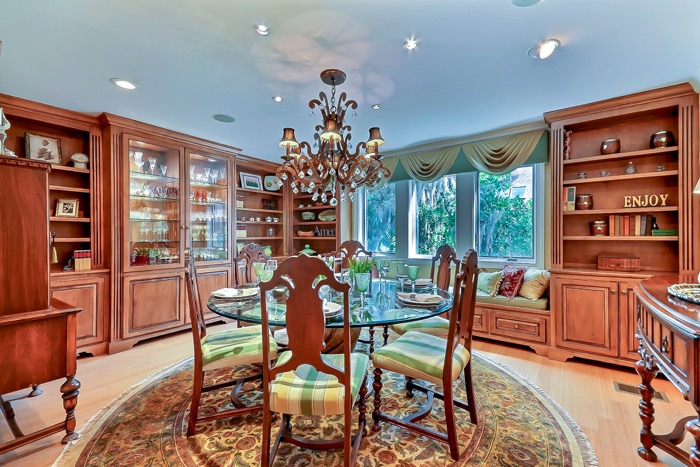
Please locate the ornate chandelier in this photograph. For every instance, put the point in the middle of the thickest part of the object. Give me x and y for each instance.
(318, 172)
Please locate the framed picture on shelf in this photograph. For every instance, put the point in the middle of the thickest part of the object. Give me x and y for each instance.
(67, 208)
(251, 181)
(42, 148)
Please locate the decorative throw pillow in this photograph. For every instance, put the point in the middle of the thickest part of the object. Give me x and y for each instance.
(535, 282)
(512, 281)
(489, 282)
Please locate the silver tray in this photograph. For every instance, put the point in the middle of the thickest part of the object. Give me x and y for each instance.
(688, 292)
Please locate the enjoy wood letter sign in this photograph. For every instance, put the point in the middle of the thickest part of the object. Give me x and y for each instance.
(634, 201)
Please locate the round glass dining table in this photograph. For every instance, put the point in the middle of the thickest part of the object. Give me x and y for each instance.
(388, 304)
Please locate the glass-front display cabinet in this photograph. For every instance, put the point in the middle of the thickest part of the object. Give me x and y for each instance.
(154, 226)
(209, 207)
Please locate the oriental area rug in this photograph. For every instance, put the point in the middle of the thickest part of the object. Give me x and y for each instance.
(519, 425)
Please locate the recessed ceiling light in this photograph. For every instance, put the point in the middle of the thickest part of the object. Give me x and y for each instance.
(410, 44)
(262, 29)
(525, 2)
(543, 49)
(211, 159)
(122, 83)
(223, 118)
(277, 98)
(376, 106)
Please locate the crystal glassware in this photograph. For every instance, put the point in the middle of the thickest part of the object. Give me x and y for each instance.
(138, 161)
(384, 267)
(207, 174)
(163, 169)
(413, 275)
(258, 266)
(192, 169)
(214, 175)
(362, 280)
(266, 273)
(401, 274)
(152, 164)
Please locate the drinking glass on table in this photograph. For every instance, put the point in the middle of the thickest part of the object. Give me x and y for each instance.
(268, 271)
(413, 275)
(401, 274)
(384, 267)
(362, 280)
(258, 266)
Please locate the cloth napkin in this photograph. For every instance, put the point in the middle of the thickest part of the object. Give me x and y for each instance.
(420, 297)
(419, 282)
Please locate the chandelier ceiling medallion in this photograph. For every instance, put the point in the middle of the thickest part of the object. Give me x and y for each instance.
(318, 172)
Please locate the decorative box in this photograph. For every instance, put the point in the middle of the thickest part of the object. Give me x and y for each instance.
(612, 262)
(241, 231)
(239, 201)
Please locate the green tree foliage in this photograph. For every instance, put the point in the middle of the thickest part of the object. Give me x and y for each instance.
(505, 223)
(437, 208)
(381, 219)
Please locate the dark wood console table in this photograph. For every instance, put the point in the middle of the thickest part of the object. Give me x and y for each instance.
(668, 329)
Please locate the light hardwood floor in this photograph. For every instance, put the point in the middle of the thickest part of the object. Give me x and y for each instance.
(609, 418)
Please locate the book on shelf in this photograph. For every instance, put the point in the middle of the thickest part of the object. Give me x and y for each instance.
(638, 225)
(81, 260)
(665, 233)
(570, 198)
(643, 225)
(629, 226)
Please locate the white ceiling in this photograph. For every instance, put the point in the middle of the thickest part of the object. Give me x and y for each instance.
(469, 74)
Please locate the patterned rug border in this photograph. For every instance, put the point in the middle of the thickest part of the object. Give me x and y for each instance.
(97, 421)
(92, 426)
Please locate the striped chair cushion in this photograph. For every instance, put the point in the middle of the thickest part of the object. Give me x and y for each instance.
(420, 356)
(435, 326)
(308, 392)
(234, 347)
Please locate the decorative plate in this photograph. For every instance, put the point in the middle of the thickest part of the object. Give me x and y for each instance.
(332, 309)
(270, 183)
(419, 299)
(235, 293)
(688, 292)
(327, 216)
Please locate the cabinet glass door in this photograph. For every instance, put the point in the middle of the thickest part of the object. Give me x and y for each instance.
(209, 207)
(155, 189)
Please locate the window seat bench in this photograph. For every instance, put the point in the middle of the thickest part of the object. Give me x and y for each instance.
(518, 320)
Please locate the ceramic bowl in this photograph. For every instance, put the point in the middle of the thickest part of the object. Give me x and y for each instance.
(308, 216)
(610, 146)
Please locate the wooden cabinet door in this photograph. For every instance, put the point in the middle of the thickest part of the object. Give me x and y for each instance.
(153, 303)
(587, 315)
(628, 321)
(209, 280)
(88, 293)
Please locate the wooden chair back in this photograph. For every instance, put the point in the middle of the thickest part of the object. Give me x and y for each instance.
(194, 300)
(462, 314)
(351, 249)
(305, 319)
(249, 254)
(441, 267)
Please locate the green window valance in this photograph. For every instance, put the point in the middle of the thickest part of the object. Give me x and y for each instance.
(494, 156)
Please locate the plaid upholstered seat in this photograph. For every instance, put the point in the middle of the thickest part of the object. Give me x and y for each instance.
(421, 356)
(308, 392)
(435, 326)
(234, 347)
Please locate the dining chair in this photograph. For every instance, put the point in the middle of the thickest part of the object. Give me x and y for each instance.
(441, 274)
(304, 381)
(228, 348)
(351, 249)
(434, 360)
(249, 254)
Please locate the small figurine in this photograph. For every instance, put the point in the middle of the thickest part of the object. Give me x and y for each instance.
(567, 145)
(630, 169)
(4, 126)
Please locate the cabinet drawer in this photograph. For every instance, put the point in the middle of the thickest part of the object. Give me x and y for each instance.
(530, 328)
(481, 321)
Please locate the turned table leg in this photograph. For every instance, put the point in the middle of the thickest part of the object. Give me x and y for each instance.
(646, 408)
(371, 340)
(693, 427)
(377, 385)
(69, 391)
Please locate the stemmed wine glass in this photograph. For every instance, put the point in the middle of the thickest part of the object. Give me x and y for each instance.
(163, 169)
(207, 174)
(214, 175)
(384, 267)
(192, 169)
(138, 161)
(258, 267)
(362, 283)
(401, 274)
(413, 275)
(152, 164)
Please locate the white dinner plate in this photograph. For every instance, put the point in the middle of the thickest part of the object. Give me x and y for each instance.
(332, 309)
(406, 298)
(235, 293)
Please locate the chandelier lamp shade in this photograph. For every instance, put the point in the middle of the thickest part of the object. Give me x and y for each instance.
(332, 165)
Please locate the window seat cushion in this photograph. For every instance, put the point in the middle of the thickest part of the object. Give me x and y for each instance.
(518, 301)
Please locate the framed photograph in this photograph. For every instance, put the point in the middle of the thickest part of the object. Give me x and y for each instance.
(67, 208)
(570, 198)
(251, 181)
(43, 148)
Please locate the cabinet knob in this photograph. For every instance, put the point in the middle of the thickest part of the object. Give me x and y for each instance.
(613, 291)
(516, 326)
(623, 291)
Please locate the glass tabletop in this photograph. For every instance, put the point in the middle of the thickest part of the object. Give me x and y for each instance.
(384, 306)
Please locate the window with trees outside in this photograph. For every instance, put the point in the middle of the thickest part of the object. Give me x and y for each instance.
(500, 216)
(437, 209)
(381, 224)
(506, 215)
